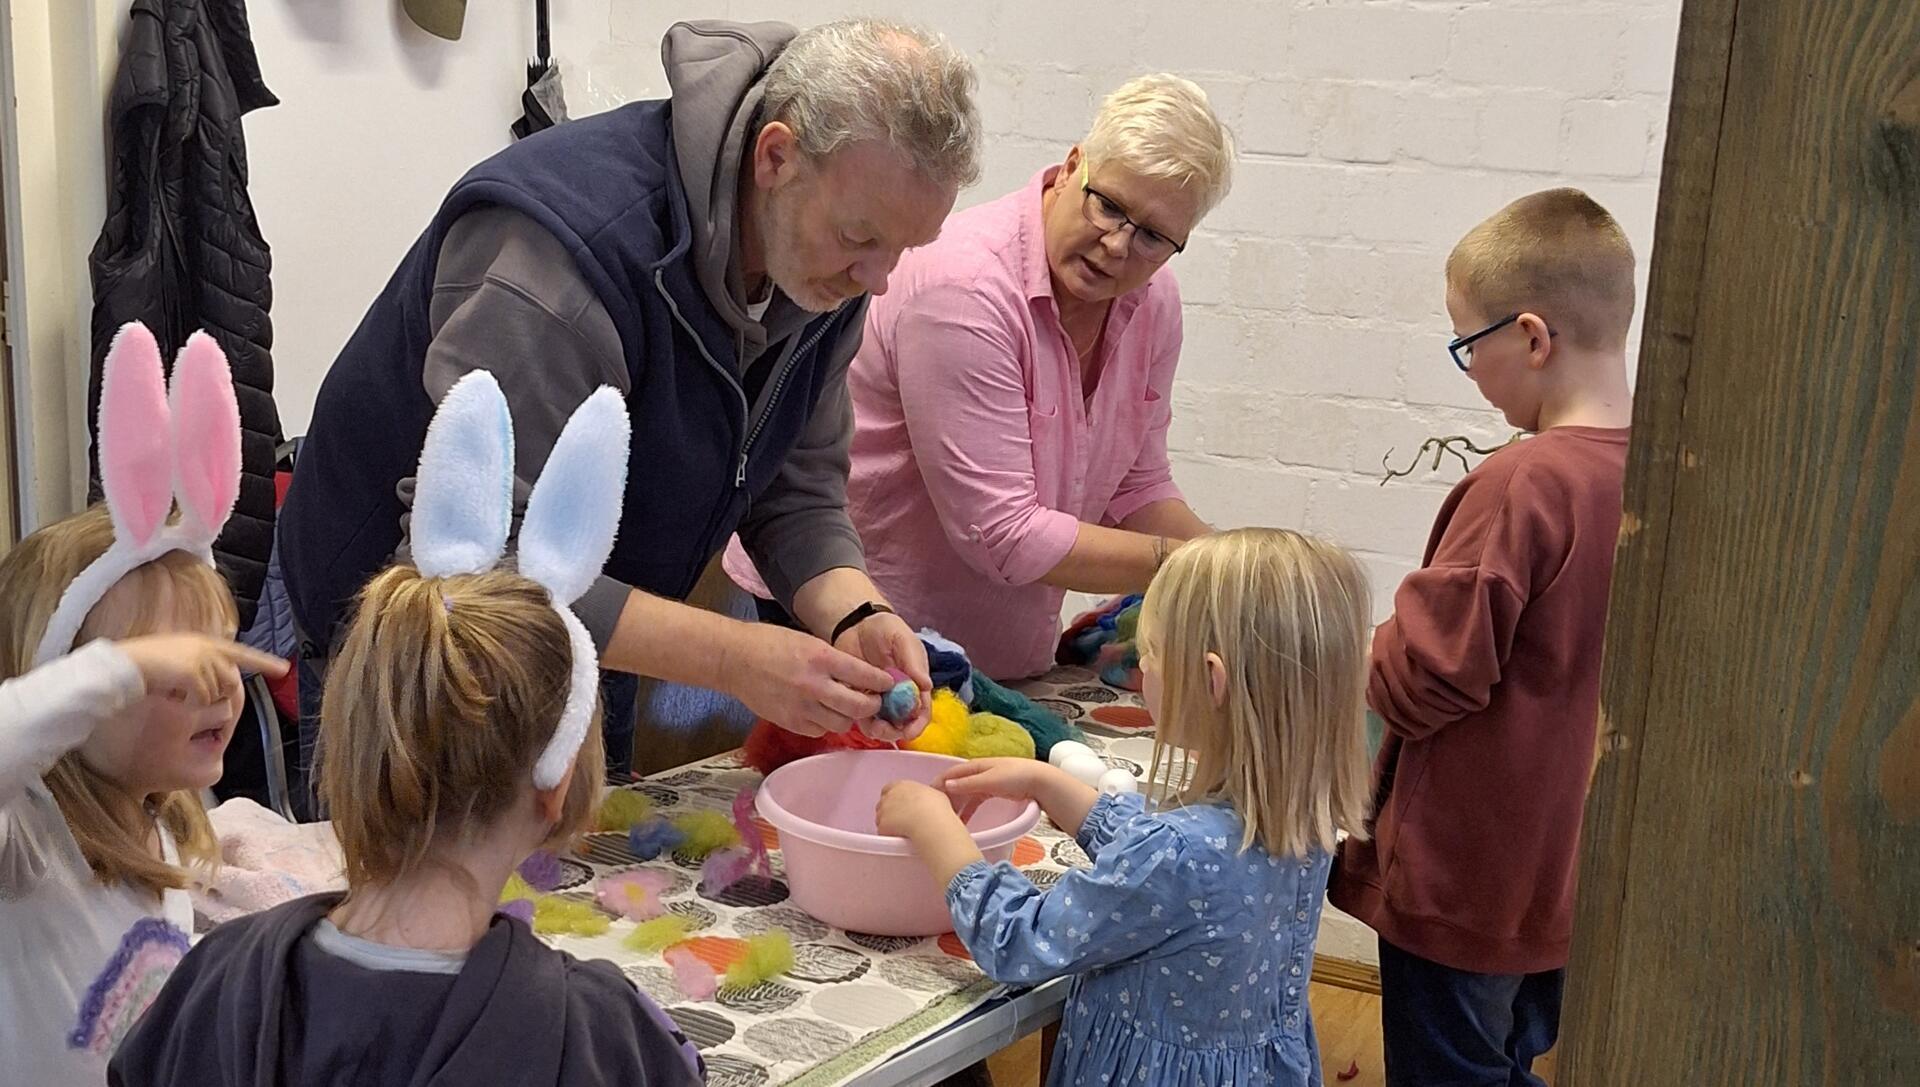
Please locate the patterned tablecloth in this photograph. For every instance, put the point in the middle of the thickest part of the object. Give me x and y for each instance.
(852, 999)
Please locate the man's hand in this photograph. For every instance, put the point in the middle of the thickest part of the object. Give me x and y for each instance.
(799, 682)
(885, 641)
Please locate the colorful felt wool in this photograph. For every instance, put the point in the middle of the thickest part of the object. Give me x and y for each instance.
(660, 933)
(704, 832)
(767, 956)
(653, 837)
(1104, 639)
(622, 809)
(1046, 727)
(691, 974)
(634, 894)
(541, 870)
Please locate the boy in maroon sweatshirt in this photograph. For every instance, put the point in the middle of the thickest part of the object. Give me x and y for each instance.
(1488, 674)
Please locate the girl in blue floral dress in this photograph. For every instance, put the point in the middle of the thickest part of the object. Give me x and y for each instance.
(1191, 936)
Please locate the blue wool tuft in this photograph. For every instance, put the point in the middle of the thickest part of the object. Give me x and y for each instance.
(655, 836)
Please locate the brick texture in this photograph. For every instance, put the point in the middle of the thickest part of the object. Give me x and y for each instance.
(1373, 132)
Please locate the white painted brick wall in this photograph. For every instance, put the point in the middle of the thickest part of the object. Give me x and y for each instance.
(1374, 132)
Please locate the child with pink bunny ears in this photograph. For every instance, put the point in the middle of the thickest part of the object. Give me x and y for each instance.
(121, 689)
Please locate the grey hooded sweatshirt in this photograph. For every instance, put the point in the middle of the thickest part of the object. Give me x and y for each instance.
(509, 299)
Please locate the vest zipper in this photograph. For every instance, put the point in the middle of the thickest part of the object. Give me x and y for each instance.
(779, 387)
(740, 394)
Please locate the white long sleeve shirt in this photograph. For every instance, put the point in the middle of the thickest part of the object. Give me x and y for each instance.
(79, 960)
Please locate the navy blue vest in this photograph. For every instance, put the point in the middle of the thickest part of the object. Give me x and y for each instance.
(608, 187)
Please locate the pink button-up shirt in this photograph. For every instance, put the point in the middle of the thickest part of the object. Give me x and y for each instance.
(975, 455)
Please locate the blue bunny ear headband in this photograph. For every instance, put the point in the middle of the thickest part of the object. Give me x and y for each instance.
(463, 513)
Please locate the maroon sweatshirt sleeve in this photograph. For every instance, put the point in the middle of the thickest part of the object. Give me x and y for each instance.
(1439, 657)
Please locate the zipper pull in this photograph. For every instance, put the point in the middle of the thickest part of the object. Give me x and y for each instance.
(740, 478)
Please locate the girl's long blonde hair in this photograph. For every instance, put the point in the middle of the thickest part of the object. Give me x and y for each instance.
(1290, 618)
(113, 827)
(443, 695)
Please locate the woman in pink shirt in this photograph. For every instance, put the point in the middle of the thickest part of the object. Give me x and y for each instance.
(1014, 388)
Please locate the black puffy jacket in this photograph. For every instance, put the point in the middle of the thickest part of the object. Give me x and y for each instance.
(181, 249)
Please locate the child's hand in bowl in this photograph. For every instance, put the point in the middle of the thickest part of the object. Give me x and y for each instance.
(1016, 779)
(910, 809)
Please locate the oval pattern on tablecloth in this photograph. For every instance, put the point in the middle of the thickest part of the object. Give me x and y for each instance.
(797, 923)
(825, 964)
(572, 874)
(885, 945)
(1067, 708)
(797, 1039)
(1043, 878)
(926, 974)
(607, 849)
(861, 1008)
(703, 917)
(1067, 854)
(655, 981)
(1092, 695)
(706, 1029)
(766, 998)
(1123, 719)
(750, 891)
(727, 1070)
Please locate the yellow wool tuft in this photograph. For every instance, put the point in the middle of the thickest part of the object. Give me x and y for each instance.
(951, 730)
(706, 831)
(767, 957)
(946, 731)
(517, 889)
(623, 809)
(556, 916)
(660, 933)
(991, 736)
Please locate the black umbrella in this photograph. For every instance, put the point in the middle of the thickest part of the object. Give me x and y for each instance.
(543, 103)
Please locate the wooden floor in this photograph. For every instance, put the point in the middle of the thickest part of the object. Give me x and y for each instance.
(1347, 1021)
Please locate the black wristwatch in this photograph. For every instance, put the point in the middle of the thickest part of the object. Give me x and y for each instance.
(857, 616)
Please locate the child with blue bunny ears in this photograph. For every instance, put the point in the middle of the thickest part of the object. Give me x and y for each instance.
(463, 733)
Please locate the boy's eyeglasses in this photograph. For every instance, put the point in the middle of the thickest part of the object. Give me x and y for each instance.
(1461, 348)
(1105, 213)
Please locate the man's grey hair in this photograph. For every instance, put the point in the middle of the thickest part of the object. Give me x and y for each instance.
(869, 79)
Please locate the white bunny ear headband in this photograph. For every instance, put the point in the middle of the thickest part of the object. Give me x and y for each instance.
(156, 448)
(463, 510)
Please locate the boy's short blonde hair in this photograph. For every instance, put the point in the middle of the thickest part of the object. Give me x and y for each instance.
(1290, 618)
(1556, 253)
(1162, 126)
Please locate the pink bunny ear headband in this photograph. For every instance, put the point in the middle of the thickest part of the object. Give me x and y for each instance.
(463, 511)
(156, 448)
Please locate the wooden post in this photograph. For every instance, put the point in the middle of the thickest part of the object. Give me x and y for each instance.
(1750, 889)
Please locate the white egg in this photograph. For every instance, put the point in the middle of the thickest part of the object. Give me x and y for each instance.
(1066, 749)
(1117, 782)
(1087, 768)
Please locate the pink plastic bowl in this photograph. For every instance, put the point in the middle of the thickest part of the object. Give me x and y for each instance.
(841, 870)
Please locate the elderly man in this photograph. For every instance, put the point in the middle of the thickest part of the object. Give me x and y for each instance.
(710, 256)
(1014, 391)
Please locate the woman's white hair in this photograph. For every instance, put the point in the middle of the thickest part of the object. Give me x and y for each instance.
(1162, 126)
(869, 79)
